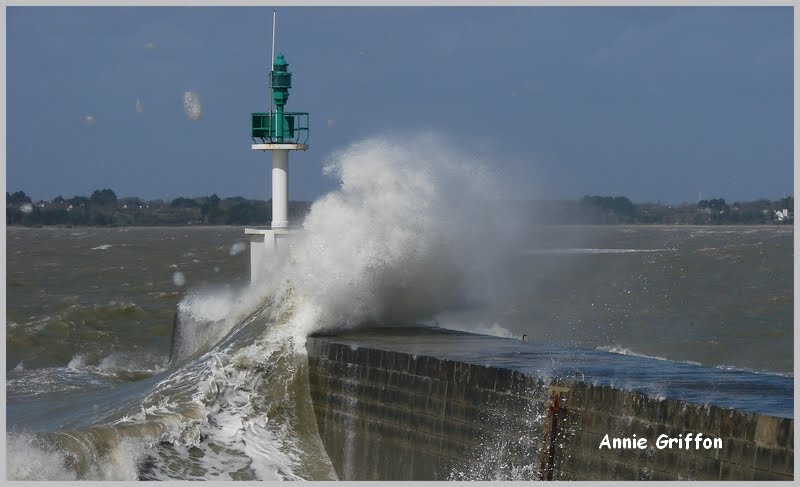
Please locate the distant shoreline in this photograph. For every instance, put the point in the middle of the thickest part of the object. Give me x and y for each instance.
(104, 209)
(554, 225)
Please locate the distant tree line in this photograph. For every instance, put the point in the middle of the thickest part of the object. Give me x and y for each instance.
(602, 210)
(103, 208)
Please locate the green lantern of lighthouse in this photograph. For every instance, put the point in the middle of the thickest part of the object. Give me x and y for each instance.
(280, 127)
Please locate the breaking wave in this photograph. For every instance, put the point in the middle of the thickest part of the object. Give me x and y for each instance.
(411, 231)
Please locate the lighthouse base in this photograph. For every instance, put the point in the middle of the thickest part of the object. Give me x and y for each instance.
(265, 243)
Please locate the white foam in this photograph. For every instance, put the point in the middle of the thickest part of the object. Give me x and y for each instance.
(27, 461)
(228, 390)
(754, 371)
(627, 351)
(414, 227)
(78, 362)
(494, 328)
(594, 251)
(102, 247)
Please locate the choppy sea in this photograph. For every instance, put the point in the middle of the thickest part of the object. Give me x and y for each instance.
(99, 388)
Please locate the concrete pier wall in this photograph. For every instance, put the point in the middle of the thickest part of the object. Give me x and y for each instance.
(385, 414)
(754, 446)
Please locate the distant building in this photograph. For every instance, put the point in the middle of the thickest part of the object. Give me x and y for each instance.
(783, 216)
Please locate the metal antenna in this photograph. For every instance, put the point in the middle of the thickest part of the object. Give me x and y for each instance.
(272, 59)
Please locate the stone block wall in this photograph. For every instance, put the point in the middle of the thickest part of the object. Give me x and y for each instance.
(754, 447)
(386, 415)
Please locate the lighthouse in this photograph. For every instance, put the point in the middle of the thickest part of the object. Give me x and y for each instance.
(278, 132)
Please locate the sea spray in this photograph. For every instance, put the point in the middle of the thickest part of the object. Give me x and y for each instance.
(415, 228)
(29, 458)
(96, 453)
(203, 318)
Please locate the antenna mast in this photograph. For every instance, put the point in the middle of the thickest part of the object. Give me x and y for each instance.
(272, 59)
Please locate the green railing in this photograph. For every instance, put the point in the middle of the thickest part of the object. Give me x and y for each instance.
(294, 128)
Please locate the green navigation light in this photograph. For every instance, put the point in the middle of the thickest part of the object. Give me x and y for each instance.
(280, 127)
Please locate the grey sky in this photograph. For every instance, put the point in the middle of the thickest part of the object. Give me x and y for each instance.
(652, 103)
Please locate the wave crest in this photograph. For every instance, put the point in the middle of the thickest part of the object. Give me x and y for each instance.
(414, 228)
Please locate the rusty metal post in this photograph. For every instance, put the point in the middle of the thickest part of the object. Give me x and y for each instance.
(552, 430)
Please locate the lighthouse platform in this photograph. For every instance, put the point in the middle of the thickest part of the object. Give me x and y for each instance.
(264, 244)
(279, 146)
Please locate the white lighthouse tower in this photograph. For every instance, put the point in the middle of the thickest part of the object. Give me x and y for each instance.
(278, 132)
